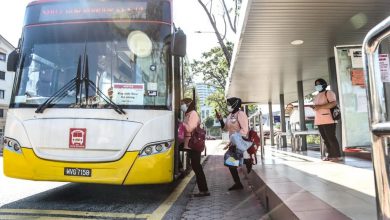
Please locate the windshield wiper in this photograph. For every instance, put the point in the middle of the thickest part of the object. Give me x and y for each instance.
(76, 83)
(63, 92)
(89, 83)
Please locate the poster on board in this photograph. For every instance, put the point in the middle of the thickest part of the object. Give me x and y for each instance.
(356, 58)
(384, 67)
(128, 94)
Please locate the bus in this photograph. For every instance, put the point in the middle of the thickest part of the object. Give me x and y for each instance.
(96, 95)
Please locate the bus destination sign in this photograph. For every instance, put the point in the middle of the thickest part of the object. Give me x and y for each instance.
(93, 11)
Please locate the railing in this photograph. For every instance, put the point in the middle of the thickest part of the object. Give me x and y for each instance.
(380, 128)
(252, 124)
(296, 140)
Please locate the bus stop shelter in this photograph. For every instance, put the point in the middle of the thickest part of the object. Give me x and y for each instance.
(284, 46)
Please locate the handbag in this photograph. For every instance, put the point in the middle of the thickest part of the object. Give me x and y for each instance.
(232, 157)
(197, 140)
(335, 111)
(181, 132)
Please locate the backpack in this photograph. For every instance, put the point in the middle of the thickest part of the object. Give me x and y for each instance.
(255, 139)
(197, 140)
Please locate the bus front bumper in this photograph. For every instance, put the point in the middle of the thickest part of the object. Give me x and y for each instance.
(131, 169)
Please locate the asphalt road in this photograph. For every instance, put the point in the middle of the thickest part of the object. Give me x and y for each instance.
(23, 199)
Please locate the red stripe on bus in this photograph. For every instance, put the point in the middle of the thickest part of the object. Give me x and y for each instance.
(86, 22)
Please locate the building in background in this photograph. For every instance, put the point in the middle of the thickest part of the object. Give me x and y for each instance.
(6, 82)
(203, 91)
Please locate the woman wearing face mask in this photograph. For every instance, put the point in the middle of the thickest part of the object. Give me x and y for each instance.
(323, 102)
(191, 121)
(237, 121)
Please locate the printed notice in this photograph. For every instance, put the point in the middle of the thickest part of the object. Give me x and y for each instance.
(356, 58)
(128, 94)
(384, 67)
(152, 89)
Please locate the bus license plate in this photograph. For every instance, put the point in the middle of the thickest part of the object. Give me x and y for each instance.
(77, 172)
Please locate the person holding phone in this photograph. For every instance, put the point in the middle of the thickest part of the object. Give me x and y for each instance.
(237, 121)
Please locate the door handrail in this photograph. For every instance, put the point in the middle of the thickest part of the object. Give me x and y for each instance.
(377, 114)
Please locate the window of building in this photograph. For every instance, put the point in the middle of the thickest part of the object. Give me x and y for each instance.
(2, 94)
(1, 113)
(2, 56)
(2, 75)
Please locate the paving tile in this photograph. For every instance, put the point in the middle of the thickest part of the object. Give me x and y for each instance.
(223, 204)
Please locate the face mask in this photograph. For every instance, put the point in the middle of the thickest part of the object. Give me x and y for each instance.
(183, 108)
(229, 108)
(318, 88)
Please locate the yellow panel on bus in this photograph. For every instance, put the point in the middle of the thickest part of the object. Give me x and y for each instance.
(156, 168)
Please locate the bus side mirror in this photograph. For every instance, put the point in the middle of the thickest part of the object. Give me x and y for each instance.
(179, 43)
(12, 62)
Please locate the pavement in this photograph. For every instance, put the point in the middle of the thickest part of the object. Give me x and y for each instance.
(309, 188)
(223, 204)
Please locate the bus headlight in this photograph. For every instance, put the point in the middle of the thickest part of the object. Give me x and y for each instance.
(148, 150)
(12, 145)
(156, 148)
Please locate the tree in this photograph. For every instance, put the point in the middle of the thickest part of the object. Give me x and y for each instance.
(209, 123)
(228, 13)
(214, 67)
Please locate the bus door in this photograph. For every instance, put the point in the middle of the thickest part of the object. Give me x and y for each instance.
(376, 49)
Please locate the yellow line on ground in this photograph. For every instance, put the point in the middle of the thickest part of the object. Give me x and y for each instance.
(74, 213)
(160, 212)
(9, 217)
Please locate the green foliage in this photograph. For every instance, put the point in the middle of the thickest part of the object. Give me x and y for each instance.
(209, 122)
(252, 109)
(313, 139)
(213, 66)
(217, 101)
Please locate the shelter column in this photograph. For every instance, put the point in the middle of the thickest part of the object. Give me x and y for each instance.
(302, 123)
(283, 120)
(271, 123)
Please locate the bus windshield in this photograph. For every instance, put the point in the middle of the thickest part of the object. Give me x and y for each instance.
(127, 62)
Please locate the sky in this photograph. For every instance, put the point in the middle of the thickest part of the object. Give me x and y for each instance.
(188, 15)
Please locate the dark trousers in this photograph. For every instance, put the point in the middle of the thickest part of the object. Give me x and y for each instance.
(198, 170)
(234, 172)
(328, 133)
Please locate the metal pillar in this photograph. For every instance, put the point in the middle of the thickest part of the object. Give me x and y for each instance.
(334, 87)
(302, 123)
(261, 131)
(271, 123)
(283, 121)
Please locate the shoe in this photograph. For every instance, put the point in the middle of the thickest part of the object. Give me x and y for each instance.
(335, 159)
(326, 159)
(202, 194)
(236, 187)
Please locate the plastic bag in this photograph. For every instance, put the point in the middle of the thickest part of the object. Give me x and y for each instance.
(237, 140)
